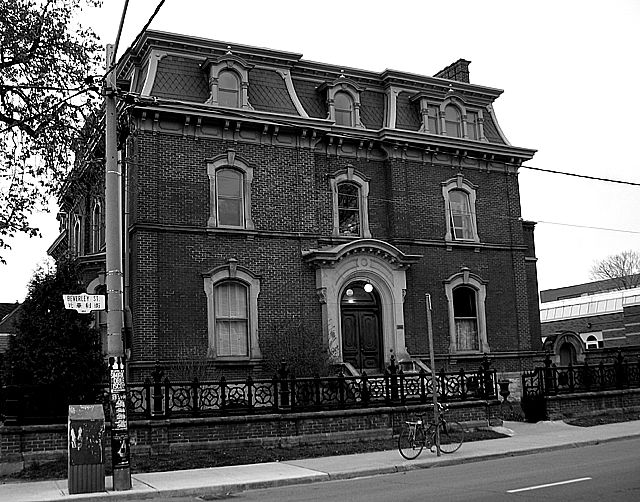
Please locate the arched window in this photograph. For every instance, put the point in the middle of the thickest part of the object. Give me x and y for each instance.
(343, 109)
(465, 314)
(231, 319)
(77, 236)
(229, 198)
(349, 209)
(350, 191)
(460, 210)
(232, 312)
(230, 187)
(453, 121)
(228, 89)
(460, 214)
(466, 295)
(97, 228)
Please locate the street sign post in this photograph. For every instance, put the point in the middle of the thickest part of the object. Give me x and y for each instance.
(84, 303)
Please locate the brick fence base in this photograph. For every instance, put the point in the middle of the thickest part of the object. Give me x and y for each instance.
(592, 403)
(20, 445)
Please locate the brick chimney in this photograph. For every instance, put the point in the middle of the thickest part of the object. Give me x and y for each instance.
(456, 71)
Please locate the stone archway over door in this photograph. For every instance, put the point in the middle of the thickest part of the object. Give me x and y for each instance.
(366, 261)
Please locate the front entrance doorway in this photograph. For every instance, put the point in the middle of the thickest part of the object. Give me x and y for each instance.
(361, 333)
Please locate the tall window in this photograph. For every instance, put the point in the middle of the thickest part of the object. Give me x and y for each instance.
(350, 191)
(460, 210)
(433, 120)
(472, 125)
(232, 312)
(232, 319)
(229, 198)
(97, 228)
(453, 122)
(77, 236)
(228, 89)
(343, 109)
(465, 314)
(230, 182)
(460, 214)
(349, 209)
(466, 296)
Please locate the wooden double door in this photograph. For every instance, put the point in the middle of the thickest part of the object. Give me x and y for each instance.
(361, 338)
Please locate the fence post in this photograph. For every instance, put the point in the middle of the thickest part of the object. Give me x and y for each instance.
(487, 380)
(401, 386)
(223, 394)
(194, 395)
(393, 377)
(387, 386)
(341, 388)
(158, 406)
(423, 386)
(291, 395)
(601, 378)
(547, 386)
(147, 395)
(619, 370)
(250, 393)
(13, 398)
(284, 386)
(274, 382)
(587, 375)
(364, 392)
(463, 384)
(167, 397)
(443, 384)
(571, 377)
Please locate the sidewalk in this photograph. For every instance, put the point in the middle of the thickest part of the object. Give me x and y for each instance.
(524, 438)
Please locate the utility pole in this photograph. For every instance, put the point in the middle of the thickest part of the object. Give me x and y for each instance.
(115, 312)
(432, 361)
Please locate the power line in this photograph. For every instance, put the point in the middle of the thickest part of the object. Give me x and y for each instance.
(596, 178)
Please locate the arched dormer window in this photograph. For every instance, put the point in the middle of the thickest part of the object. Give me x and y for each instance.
(228, 89)
(466, 295)
(350, 191)
(228, 81)
(453, 121)
(343, 109)
(343, 102)
(230, 182)
(460, 210)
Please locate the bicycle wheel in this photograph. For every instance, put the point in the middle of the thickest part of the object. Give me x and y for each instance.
(451, 436)
(411, 440)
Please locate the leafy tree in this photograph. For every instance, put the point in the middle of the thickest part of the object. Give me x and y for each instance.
(53, 346)
(622, 268)
(45, 61)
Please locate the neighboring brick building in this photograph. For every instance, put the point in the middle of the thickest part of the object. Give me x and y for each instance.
(263, 189)
(581, 319)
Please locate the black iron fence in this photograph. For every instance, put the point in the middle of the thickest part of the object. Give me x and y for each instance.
(552, 380)
(161, 397)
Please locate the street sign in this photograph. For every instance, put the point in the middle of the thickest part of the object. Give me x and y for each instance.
(83, 302)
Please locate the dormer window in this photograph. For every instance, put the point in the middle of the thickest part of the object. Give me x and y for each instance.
(343, 109)
(453, 121)
(228, 89)
(343, 102)
(473, 131)
(228, 81)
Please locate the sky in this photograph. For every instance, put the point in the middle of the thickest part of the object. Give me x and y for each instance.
(569, 70)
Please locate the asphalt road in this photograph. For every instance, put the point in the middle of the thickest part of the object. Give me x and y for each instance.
(609, 472)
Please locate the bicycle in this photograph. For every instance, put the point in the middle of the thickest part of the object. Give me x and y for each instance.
(416, 435)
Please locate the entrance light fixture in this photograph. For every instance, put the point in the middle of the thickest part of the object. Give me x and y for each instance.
(368, 287)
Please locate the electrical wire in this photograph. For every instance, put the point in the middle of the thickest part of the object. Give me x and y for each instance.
(596, 178)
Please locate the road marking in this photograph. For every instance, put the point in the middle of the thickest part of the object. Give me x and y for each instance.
(529, 488)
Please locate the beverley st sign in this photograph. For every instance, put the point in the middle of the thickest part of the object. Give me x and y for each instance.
(84, 303)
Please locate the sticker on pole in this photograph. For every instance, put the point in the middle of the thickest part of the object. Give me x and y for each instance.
(83, 302)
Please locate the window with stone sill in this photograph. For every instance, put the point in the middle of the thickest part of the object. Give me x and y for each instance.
(228, 89)
(343, 109)
(232, 306)
(230, 181)
(453, 121)
(466, 295)
(460, 210)
(97, 227)
(473, 129)
(350, 191)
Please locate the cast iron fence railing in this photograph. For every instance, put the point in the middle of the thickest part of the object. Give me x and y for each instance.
(552, 380)
(160, 397)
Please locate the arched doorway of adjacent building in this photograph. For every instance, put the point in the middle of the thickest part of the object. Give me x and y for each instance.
(361, 327)
(567, 354)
